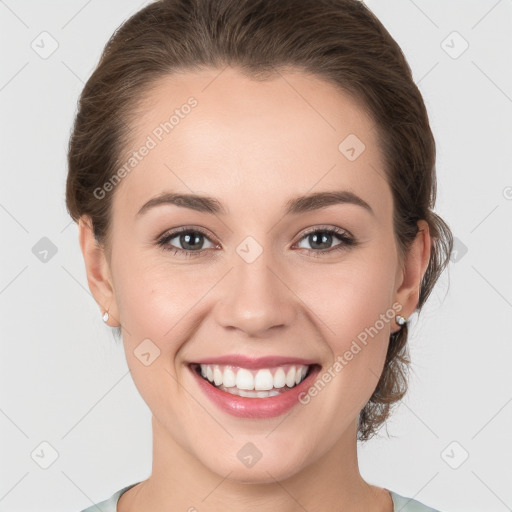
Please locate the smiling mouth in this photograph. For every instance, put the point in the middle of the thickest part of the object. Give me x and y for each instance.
(252, 383)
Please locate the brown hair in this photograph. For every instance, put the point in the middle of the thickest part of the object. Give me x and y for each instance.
(340, 41)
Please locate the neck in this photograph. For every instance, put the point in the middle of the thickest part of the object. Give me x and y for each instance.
(179, 481)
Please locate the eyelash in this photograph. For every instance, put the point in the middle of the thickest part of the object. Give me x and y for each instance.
(347, 241)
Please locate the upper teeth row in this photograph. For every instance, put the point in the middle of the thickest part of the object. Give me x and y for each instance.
(260, 380)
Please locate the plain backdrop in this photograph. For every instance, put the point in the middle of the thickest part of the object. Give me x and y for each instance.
(73, 426)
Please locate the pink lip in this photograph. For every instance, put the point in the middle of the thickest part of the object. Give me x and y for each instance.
(244, 407)
(254, 362)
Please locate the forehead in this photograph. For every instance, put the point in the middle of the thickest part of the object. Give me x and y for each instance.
(224, 134)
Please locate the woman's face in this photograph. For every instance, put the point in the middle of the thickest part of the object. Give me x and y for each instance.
(255, 282)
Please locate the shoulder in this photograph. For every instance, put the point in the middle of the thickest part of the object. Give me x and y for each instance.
(403, 504)
(109, 505)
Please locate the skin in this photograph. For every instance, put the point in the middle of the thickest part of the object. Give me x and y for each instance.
(253, 145)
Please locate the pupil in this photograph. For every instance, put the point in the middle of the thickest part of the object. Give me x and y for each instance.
(324, 238)
(185, 240)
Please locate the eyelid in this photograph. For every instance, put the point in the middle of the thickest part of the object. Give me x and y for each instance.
(173, 232)
(335, 229)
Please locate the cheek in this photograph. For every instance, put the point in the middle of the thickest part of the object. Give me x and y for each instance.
(155, 304)
(349, 296)
(353, 303)
(152, 293)
(155, 300)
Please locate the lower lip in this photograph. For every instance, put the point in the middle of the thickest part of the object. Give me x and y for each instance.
(244, 407)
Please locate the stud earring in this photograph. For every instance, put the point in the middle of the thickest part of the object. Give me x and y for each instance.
(105, 316)
(400, 320)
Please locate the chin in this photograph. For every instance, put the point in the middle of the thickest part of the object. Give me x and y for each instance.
(266, 470)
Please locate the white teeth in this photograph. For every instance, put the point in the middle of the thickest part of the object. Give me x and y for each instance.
(300, 374)
(244, 379)
(251, 394)
(263, 380)
(279, 378)
(217, 376)
(229, 379)
(254, 383)
(290, 377)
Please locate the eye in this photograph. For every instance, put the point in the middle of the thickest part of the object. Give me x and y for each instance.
(321, 239)
(191, 241)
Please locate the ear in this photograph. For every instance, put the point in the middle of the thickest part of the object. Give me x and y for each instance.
(98, 271)
(411, 273)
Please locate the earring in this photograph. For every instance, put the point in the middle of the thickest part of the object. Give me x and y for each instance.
(105, 316)
(400, 320)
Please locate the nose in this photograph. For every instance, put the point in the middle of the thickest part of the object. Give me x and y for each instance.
(255, 297)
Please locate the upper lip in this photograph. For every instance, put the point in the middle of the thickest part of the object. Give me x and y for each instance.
(254, 362)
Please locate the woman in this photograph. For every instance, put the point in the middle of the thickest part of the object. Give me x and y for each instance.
(254, 184)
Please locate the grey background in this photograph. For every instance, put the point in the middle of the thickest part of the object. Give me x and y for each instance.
(65, 381)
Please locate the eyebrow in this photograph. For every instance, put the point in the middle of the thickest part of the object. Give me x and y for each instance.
(296, 205)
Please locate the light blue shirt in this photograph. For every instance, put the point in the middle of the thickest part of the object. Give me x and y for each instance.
(401, 504)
